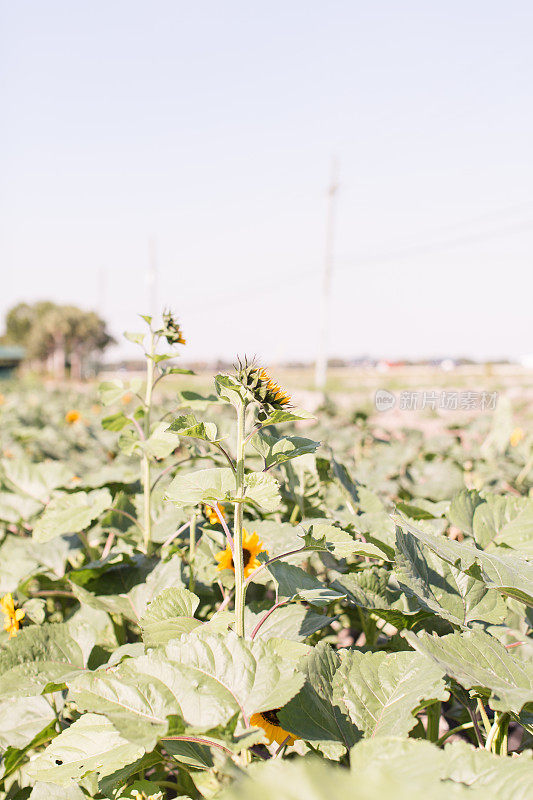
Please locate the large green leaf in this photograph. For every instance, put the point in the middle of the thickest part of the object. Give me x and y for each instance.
(37, 480)
(462, 508)
(317, 713)
(48, 791)
(276, 450)
(92, 745)
(214, 676)
(505, 521)
(71, 513)
(293, 622)
(202, 486)
(169, 615)
(507, 571)
(421, 764)
(22, 718)
(263, 490)
(442, 588)
(188, 425)
(383, 690)
(293, 582)
(38, 656)
(322, 536)
(310, 779)
(137, 704)
(126, 586)
(478, 661)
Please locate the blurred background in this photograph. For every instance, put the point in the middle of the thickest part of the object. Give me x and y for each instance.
(299, 181)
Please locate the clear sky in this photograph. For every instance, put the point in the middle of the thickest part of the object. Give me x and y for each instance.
(211, 125)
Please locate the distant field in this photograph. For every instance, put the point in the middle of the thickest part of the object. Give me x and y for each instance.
(356, 388)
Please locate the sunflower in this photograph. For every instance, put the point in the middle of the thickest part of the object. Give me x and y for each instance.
(72, 416)
(261, 386)
(251, 547)
(275, 395)
(13, 615)
(268, 720)
(171, 329)
(516, 436)
(212, 516)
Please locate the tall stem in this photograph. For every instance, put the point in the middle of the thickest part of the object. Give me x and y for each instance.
(238, 562)
(147, 488)
(192, 551)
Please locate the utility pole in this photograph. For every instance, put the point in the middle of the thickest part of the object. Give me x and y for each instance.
(151, 277)
(322, 357)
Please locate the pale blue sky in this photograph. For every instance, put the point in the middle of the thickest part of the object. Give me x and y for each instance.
(211, 125)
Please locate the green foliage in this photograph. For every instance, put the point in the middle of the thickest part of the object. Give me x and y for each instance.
(386, 623)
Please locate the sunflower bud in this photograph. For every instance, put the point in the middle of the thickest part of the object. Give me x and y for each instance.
(261, 386)
(171, 329)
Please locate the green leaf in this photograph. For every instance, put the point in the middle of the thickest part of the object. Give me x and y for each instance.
(214, 676)
(169, 615)
(508, 572)
(37, 480)
(111, 391)
(443, 589)
(125, 586)
(287, 416)
(38, 656)
(324, 537)
(382, 691)
(291, 622)
(263, 490)
(188, 425)
(48, 791)
(195, 400)
(161, 442)
(136, 703)
(229, 389)
(91, 745)
(505, 521)
(479, 661)
(202, 486)
(276, 451)
(294, 582)
(462, 508)
(71, 513)
(21, 719)
(115, 422)
(136, 338)
(316, 713)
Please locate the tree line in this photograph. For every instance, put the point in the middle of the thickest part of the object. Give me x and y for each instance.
(57, 338)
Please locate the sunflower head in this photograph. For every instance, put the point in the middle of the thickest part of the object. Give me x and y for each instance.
(211, 515)
(516, 436)
(268, 720)
(13, 616)
(72, 416)
(171, 329)
(251, 547)
(261, 386)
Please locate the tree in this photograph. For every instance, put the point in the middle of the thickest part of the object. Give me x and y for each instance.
(57, 335)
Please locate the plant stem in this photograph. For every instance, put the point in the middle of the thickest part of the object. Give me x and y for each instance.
(464, 727)
(497, 738)
(147, 486)
(238, 562)
(484, 717)
(433, 716)
(192, 551)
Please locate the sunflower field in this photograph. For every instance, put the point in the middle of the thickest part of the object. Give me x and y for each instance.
(220, 595)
